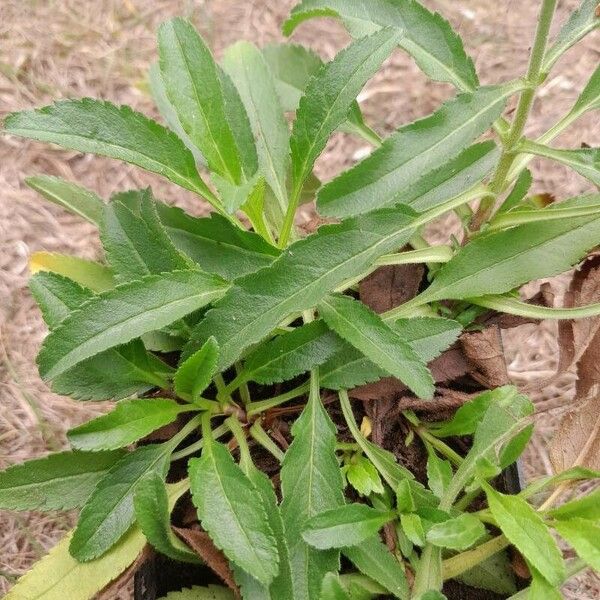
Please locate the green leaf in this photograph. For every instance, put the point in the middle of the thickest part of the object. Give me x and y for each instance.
(75, 198)
(426, 36)
(137, 244)
(193, 86)
(412, 526)
(58, 482)
(215, 244)
(579, 24)
(59, 576)
(584, 537)
(541, 589)
(258, 302)
(329, 96)
(332, 588)
(129, 421)
(212, 592)
(428, 337)
(589, 99)
(88, 273)
(451, 179)
(109, 511)
(525, 529)
(459, 533)
(432, 595)
(502, 260)
(311, 483)
(153, 516)
(347, 525)
(250, 72)
(494, 574)
(363, 477)
(367, 332)
(120, 315)
(372, 558)
(585, 161)
(117, 132)
(572, 474)
(193, 376)
(427, 147)
(439, 472)
(586, 507)
(518, 192)
(231, 511)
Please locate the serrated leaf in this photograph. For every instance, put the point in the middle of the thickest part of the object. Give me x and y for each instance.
(412, 526)
(212, 592)
(367, 332)
(439, 472)
(414, 152)
(231, 511)
(137, 244)
(250, 73)
(580, 23)
(347, 525)
(328, 98)
(58, 482)
(88, 273)
(109, 511)
(193, 86)
(258, 302)
(426, 36)
(374, 560)
(525, 529)
(58, 575)
(153, 516)
(215, 244)
(194, 375)
(459, 533)
(120, 315)
(363, 477)
(129, 421)
(585, 161)
(311, 483)
(584, 537)
(108, 130)
(586, 507)
(75, 198)
(332, 588)
(502, 260)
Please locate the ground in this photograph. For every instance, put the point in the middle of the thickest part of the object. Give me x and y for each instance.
(73, 48)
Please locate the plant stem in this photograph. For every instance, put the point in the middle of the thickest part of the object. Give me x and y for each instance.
(524, 105)
(438, 254)
(263, 438)
(440, 446)
(464, 561)
(193, 448)
(257, 407)
(240, 437)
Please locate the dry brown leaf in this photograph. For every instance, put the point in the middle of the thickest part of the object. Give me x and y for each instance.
(484, 352)
(200, 542)
(390, 286)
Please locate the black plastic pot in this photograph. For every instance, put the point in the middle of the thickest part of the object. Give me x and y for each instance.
(160, 575)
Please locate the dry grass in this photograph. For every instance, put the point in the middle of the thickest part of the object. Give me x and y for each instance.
(74, 48)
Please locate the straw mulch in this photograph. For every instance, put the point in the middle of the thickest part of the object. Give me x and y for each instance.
(74, 48)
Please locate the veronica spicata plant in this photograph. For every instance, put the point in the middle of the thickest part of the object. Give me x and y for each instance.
(243, 346)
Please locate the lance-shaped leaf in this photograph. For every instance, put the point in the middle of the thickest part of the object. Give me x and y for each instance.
(132, 369)
(212, 592)
(311, 483)
(216, 244)
(525, 528)
(231, 511)
(128, 422)
(589, 99)
(412, 153)
(367, 332)
(586, 507)
(329, 96)
(58, 575)
(193, 85)
(372, 558)
(426, 36)
(579, 24)
(117, 132)
(250, 73)
(194, 375)
(58, 482)
(153, 515)
(459, 533)
(109, 511)
(585, 161)
(346, 525)
(137, 244)
(500, 261)
(584, 536)
(299, 279)
(75, 198)
(127, 312)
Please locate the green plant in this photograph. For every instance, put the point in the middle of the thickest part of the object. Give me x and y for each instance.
(212, 326)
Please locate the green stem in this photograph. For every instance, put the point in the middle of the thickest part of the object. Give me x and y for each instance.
(240, 437)
(263, 438)
(452, 567)
(367, 134)
(437, 254)
(184, 432)
(257, 407)
(440, 446)
(193, 448)
(290, 214)
(512, 306)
